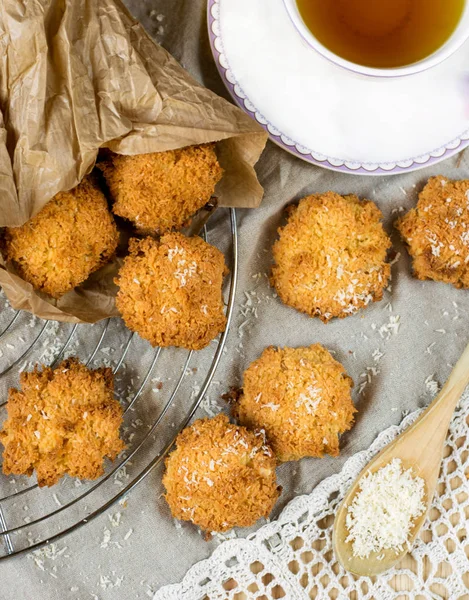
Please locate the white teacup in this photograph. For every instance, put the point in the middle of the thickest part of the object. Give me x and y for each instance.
(457, 39)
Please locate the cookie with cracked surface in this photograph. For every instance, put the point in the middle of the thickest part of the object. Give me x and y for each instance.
(300, 397)
(70, 238)
(330, 258)
(436, 232)
(170, 291)
(220, 476)
(61, 421)
(160, 191)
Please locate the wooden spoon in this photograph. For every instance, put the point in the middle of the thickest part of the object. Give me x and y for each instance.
(420, 447)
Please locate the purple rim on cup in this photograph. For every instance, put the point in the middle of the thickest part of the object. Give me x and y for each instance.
(296, 149)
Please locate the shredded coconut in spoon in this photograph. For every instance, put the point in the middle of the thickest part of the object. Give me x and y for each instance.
(382, 513)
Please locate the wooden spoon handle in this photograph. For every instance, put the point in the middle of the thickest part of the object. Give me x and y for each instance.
(459, 378)
(447, 399)
(434, 423)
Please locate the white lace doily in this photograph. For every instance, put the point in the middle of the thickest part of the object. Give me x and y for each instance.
(292, 557)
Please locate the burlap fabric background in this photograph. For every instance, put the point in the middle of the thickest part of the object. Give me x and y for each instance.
(420, 329)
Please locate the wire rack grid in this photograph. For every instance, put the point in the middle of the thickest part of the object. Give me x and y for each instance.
(160, 390)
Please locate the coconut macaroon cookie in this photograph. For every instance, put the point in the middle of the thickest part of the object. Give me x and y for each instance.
(330, 258)
(300, 397)
(220, 476)
(62, 421)
(70, 238)
(170, 291)
(437, 232)
(160, 191)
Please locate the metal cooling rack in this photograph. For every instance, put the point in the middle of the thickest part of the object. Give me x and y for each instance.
(160, 390)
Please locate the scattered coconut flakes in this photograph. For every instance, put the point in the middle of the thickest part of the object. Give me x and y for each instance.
(106, 538)
(430, 348)
(172, 252)
(310, 400)
(390, 328)
(273, 407)
(115, 519)
(52, 552)
(223, 537)
(210, 405)
(433, 387)
(106, 583)
(185, 272)
(121, 475)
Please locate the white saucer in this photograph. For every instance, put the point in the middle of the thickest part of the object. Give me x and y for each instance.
(327, 115)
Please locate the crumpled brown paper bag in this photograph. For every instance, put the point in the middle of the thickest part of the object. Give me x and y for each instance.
(77, 76)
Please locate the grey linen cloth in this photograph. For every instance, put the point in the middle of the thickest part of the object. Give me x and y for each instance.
(395, 351)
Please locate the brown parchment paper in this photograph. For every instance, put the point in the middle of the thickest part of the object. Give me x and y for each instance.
(77, 76)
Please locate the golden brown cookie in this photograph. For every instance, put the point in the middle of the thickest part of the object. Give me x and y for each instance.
(159, 192)
(437, 232)
(300, 397)
(170, 291)
(220, 476)
(330, 258)
(62, 421)
(70, 238)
